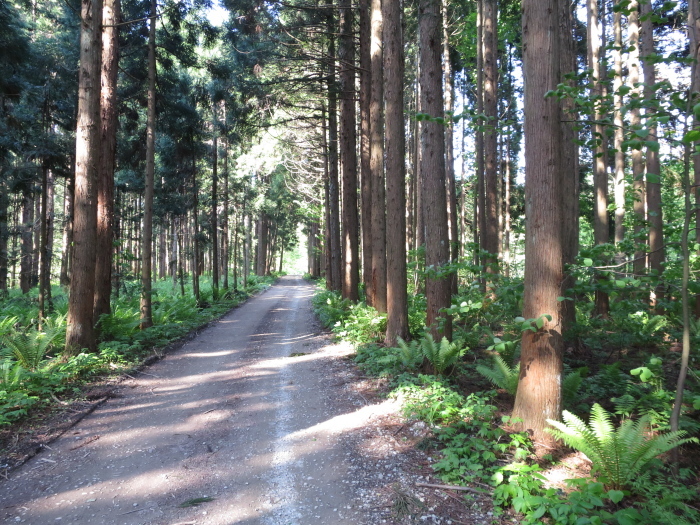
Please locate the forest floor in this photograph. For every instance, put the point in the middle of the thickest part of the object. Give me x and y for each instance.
(259, 419)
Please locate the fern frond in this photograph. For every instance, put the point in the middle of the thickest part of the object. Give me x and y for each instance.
(440, 356)
(30, 349)
(410, 353)
(570, 386)
(619, 454)
(501, 374)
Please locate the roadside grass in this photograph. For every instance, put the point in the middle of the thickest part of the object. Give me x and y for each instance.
(470, 436)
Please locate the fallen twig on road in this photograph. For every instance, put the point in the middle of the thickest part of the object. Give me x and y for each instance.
(452, 487)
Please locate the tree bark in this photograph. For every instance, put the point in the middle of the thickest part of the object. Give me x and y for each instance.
(348, 145)
(214, 209)
(637, 159)
(437, 252)
(25, 265)
(600, 174)
(619, 134)
(333, 181)
(147, 235)
(4, 236)
(490, 94)
(694, 37)
(653, 165)
(225, 255)
(479, 204)
(539, 392)
(365, 170)
(111, 15)
(569, 164)
(397, 301)
(377, 162)
(80, 333)
(452, 218)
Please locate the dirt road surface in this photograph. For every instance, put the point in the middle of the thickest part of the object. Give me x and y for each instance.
(249, 420)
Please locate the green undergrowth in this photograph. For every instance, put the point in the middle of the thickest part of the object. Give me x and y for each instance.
(32, 372)
(469, 435)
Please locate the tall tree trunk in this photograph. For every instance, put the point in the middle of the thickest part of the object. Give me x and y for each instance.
(195, 234)
(263, 244)
(437, 248)
(377, 161)
(539, 391)
(111, 14)
(80, 333)
(44, 252)
(174, 225)
(397, 301)
(348, 145)
(479, 204)
(25, 265)
(214, 213)
(490, 94)
(694, 37)
(365, 170)
(4, 236)
(327, 232)
(569, 163)
(653, 166)
(600, 173)
(147, 236)
(225, 256)
(452, 218)
(635, 124)
(419, 222)
(36, 244)
(333, 181)
(619, 133)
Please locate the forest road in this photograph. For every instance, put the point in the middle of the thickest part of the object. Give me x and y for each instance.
(249, 413)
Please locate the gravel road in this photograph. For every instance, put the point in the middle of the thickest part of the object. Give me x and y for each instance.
(251, 415)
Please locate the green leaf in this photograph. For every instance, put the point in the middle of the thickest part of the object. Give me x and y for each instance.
(653, 178)
(620, 283)
(540, 323)
(616, 496)
(588, 262)
(652, 145)
(691, 136)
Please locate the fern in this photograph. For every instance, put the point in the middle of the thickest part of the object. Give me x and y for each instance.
(501, 374)
(7, 323)
(11, 374)
(618, 454)
(30, 349)
(441, 356)
(411, 354)
(570, 386)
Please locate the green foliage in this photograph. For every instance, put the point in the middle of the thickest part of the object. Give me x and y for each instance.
(501, 374)
(430, 400)
(411, 354)
(29, 349)
(618, 454)
(441, 356)
(330, 307)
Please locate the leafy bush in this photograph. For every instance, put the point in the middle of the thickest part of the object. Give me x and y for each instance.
(430, 400)
(330, 307)
(618, 455)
